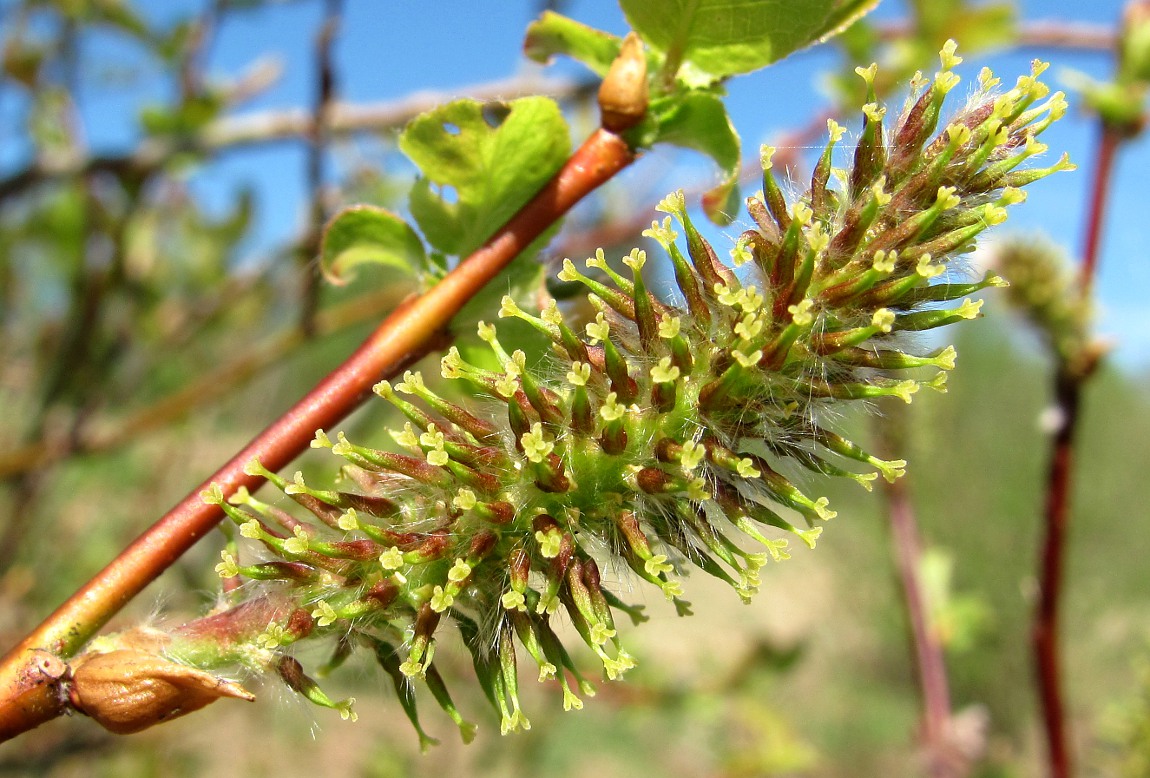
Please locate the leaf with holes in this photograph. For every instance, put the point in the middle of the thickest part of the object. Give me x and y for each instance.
(481, 163)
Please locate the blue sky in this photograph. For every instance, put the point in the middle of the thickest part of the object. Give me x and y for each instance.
(389, 50)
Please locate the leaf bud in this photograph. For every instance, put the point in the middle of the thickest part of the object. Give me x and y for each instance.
(130, 689)
(623, 93)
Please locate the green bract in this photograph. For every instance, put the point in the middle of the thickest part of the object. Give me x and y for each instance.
(656, 434)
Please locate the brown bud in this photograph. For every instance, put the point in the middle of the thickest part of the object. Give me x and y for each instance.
(482, 543)
(129, 690)
(382, 593)
(498, 512)
(654, 481)
(623, 93)
(1134, 43)
(518, 568)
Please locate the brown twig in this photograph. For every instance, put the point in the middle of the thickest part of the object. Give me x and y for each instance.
(1069, 381)
(191, 70)
(28, 690)
(318, 136)
(236, 132)
(1041, 34)
(943, 758)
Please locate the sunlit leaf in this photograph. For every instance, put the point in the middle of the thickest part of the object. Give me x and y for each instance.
(553, 34)
(480, 163)
(712, 39)
(699, 121)
(367, 235)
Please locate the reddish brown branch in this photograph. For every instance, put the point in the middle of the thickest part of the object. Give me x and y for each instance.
(1109, 141)
(1046, 628)
(1069, 381)
(943, 761)
(943, 758)
(27, 692)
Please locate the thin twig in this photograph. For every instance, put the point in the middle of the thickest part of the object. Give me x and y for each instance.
(191, 71)
(236, 132)
(325, 88)
(1069, 382)
(1108, 143)
(1040, 34)
(29, 694)
(943, 758)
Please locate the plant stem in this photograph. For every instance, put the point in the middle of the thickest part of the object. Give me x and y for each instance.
(1057, 509)
(29, 698)
(1067, 391)
(943, 761)
(1109, 141)
(325, 88)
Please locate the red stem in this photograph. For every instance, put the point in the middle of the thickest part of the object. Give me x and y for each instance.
(1068, 385)
(1108, 143)
(1046, 646)
(28, 695)
(942, 759)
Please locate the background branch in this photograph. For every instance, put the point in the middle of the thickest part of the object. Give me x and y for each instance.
(264, 127)
(1068, 384)
(318, 136)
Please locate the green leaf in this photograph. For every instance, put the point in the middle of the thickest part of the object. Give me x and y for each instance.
(480, 164)
(187, 118)
(707, 40)
(699, 121)
(366, 234)
(554, 33)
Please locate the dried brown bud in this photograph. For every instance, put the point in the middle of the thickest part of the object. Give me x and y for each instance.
(623, 93)
(129, 690)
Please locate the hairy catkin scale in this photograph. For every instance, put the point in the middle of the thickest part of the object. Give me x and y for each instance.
(656, 435)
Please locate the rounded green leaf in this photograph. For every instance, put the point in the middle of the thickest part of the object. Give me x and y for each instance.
(699, 121)
(554, 33)
(713, 39)
(366, 234)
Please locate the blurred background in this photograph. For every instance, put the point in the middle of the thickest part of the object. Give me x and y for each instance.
(165, 171)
